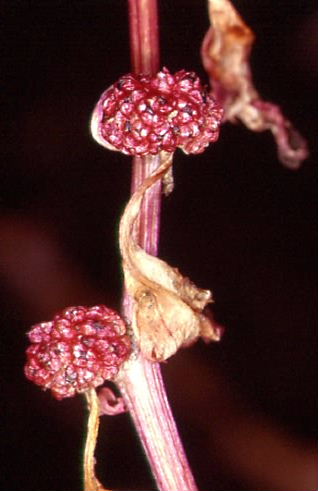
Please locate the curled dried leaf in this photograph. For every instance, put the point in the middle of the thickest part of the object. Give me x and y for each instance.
(168, 307)
(109, 403)
(225, 54)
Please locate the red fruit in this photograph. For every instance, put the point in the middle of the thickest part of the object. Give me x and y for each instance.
(141, 115)
(79, 349)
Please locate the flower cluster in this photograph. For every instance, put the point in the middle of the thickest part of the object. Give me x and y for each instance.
(79, 349)
(141, 115)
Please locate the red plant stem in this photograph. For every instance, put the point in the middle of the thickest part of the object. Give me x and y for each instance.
(144, 49)
(144, 393)
(144, 38)
(141, 383)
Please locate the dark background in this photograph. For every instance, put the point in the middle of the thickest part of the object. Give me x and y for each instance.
(238, 223)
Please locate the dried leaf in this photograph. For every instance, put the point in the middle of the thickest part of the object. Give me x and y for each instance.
(168, 307)
(225, 54)
(109, 403)
(91, 483)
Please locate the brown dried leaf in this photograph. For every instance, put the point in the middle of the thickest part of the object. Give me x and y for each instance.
(168, 307)
(91, 483)
(225, 54)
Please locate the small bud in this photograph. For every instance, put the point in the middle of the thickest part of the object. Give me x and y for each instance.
(79, 349)
(141, 115)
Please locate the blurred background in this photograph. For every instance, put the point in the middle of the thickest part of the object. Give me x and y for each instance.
(238, 223)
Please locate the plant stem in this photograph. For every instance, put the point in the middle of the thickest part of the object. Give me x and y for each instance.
(144, 38)
(143, 389)
(140, 382)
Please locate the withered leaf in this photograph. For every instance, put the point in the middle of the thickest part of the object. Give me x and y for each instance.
(91, 483)
(168, 307)
(225, 55)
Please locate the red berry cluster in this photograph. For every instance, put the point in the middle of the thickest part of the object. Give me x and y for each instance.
(79, 349)
(142, 115)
